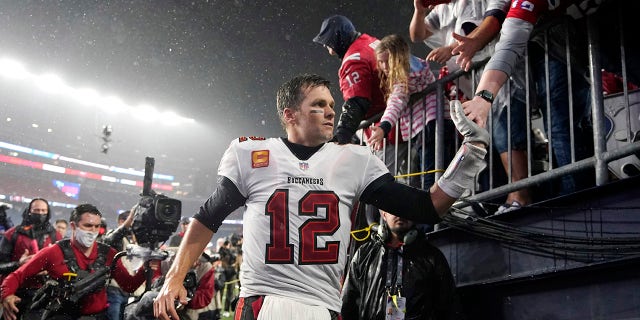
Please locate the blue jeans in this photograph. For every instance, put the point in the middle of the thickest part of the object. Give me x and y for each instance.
(518, 119)
(560, 120)
(117, 301)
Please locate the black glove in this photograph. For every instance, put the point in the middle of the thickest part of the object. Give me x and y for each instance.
(353, 111)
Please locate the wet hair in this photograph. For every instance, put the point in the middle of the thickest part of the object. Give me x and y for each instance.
(399, 55)
(81, 209)
(291, 93)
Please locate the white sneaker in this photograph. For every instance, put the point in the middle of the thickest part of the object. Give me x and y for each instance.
(515, 205)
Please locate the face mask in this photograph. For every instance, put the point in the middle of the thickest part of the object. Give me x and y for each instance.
(38, 219)
(85, 238)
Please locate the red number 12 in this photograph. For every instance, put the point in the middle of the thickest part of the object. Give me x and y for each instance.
(280, 250)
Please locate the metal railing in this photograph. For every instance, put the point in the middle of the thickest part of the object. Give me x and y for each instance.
(628, 142)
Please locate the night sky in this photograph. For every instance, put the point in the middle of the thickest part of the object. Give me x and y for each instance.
(219, 62)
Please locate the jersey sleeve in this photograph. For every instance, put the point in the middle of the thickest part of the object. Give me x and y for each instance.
(501, 5)
(515, 33)
(356, 77)
(230, 167)
(527, 10)
(374, 169)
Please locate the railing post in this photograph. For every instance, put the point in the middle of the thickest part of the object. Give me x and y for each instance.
(439, 151)
(597, 102)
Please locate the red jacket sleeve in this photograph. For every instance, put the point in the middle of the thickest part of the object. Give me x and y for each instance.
(204, 293)
(528, 10)
(49, 256)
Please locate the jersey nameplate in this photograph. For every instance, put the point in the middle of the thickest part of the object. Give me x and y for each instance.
(243, 139)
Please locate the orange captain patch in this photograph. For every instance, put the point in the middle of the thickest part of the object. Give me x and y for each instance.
(259, 158)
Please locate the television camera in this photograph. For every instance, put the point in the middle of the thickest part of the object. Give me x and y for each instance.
(156, 216)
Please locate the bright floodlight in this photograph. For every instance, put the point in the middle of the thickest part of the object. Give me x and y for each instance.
(169, 118)
(86, 96)
(112, 104)
(51, 83)
(145, 113)
(12, 69)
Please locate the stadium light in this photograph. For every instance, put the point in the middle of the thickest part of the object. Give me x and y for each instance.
(51, 83)
(12, 69)
(54, 84)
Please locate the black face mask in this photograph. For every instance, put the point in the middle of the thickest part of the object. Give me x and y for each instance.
(38, 219)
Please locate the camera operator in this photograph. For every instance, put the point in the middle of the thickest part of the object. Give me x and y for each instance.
(81, 255)
(200, 284)
(34, 233)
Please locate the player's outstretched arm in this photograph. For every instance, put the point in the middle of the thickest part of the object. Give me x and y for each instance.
(194, 242)
(467, 163)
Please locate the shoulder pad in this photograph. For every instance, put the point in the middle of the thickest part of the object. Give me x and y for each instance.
(243, 139)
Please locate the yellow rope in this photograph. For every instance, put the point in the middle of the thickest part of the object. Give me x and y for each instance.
(418, 173)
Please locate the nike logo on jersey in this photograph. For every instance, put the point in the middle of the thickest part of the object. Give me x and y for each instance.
(259, 158)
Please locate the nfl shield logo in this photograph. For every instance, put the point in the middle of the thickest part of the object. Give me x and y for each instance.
(304, 166)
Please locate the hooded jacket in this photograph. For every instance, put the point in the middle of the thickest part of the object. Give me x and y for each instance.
(359, 81)
(338, 33)
(28, 236)
(427, 282)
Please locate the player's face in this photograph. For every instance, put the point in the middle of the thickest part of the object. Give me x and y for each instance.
(383, 62)
(312, 123)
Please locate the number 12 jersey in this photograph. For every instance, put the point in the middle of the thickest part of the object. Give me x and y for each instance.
(298, 215)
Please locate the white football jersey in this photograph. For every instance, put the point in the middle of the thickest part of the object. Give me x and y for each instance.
(298, 215)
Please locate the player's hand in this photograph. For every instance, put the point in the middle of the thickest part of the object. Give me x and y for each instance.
(375, 141)
(9, 306)
(466, 49)
(440, 55)
(471, 131)
(164, 304)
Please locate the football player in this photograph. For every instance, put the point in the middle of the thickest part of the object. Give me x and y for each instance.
(299, 193)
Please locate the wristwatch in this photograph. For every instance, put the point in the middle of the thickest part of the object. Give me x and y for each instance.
(486, 95)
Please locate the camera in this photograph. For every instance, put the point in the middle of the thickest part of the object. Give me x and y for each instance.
(156, 218)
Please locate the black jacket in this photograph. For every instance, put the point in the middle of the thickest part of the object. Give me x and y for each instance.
(427, 283)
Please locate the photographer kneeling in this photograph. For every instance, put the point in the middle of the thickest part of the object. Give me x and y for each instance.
(78, 268)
